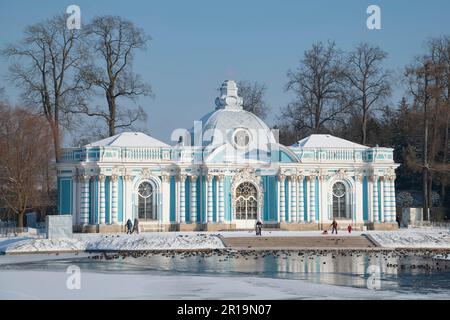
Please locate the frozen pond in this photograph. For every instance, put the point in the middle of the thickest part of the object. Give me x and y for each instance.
(400, 272)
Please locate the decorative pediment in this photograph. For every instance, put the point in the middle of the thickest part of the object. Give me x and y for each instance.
(341, 174)
(246, 173)
(146, 173)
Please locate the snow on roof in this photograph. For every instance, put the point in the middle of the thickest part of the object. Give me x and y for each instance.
(128, 139)
(327, 141)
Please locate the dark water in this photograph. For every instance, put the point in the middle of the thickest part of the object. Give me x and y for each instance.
(410, 272)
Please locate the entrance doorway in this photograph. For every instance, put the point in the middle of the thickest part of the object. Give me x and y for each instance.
(246, 206)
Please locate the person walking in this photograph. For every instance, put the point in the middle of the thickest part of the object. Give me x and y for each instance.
(334, 226)
(258, 227)
(136, 225)
(129, 226)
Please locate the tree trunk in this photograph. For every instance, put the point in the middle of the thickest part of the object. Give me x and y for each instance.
(425, 193)
(445, 151)
(364, 119)
(425, 149)
(112, 127)
(20, 219)
(56, 139)
(430, 190)
(112, 112)
(443, 191)
(364, 129)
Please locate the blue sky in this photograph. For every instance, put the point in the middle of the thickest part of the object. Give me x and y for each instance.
(198, 44)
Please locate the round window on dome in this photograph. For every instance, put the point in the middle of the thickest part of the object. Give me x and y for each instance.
(241, 138)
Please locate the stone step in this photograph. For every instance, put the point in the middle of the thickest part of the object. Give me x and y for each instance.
(299, 242)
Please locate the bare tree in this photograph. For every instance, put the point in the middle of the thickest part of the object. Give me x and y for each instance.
(113, 41)
(318, 84)
(369, 82)
(427, 81)
(252, 94)
(26, 142)
(440, 56)
(46, 58)
(418, 80)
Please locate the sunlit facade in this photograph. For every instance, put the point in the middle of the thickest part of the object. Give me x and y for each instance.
(226, 172)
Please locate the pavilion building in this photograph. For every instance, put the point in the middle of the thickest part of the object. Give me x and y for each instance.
(226, 172)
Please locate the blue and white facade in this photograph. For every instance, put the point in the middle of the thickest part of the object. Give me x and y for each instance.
(226, 172)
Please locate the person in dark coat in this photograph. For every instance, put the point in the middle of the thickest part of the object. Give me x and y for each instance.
(136, 225)
(258, 228)
(334, 226)
(129, 226)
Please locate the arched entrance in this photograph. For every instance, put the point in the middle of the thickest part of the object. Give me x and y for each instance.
(246, 205)
(340, 206)
(147, 209)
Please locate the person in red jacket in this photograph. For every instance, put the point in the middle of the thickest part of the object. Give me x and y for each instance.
(349, 228)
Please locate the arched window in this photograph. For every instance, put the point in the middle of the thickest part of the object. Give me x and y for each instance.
(246, 203)
(340, 201)
(146, 203)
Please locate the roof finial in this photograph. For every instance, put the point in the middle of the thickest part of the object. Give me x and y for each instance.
(229, 98)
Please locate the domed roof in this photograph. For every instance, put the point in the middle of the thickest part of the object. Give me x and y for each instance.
(231, 123)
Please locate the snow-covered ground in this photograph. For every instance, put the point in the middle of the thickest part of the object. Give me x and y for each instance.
(28, 285)
(92, 242)
(403, 238)
(413, 238)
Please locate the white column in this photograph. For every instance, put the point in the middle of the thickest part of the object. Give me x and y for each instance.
(101, 212)
(278, 200)
(114, 199)
(306, 199)
(387, 199)
(127, 201)
(221, 199)
(282, 203)
(385, 190)
(75, 200)
(177, 200)
(393, 207)
(323, 199)
(370, 199)
(84, 205)
(210, 198)
(182, 178)
(375, 199)
(319, 208)
(193, 202)
(165, 198)
(358, 200)
(301, 203)
(312, 198)
(293, 198)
